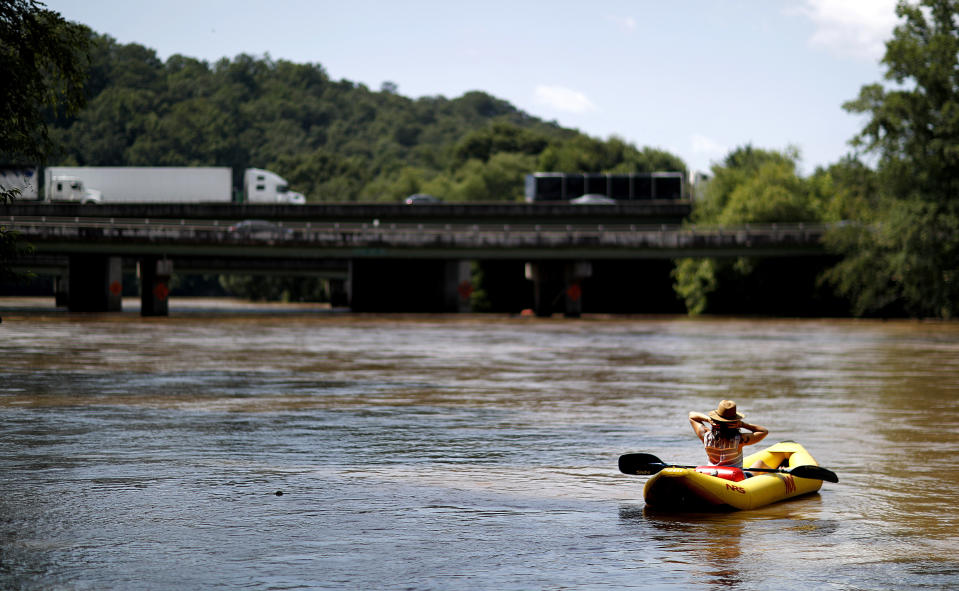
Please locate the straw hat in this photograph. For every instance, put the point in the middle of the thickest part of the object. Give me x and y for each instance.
(725, 412)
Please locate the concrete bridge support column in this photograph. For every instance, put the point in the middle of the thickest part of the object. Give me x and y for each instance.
(154, 286)
(339, 292)
(458, 286)
(95, 283)
(538, 273)
(547, 287)
(558, 285)
(574, 273)
(61, 289)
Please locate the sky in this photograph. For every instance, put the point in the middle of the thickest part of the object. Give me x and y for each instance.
(697, 78)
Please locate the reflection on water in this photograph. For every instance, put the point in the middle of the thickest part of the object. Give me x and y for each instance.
(461, 452)
(716, 544)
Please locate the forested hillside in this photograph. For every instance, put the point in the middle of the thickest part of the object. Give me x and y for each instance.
(332, 140)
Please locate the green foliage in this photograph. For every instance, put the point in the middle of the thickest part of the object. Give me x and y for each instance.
(904, 256)
(333, 141)
(269, 288)
(847, 190)
(501, 136)
(43, 68)
(751, 186)
(322, 172)
(695, 280)
(774, 193)
(585, 154)
(907, 263)
(914, 128)
(11, 247)
(501, 178)
(479, 298)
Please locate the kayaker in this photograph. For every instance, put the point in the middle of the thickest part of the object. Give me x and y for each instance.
(722, 435)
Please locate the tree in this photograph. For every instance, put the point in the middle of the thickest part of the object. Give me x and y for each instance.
(740, 166)
(501, 136)
(773, 193)
(586, 154)
(848, 190)
(752, 186)
(906, 258)
(284, 289)
(43, 68)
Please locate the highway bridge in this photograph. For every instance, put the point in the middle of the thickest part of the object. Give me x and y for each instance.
(367, 252)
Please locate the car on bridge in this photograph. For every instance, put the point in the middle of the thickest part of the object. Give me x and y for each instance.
(593, 199)
(422, 198)
(259, 230)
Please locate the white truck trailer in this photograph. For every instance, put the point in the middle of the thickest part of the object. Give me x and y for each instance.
(135, 184)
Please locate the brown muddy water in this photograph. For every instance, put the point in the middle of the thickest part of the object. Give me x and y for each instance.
(461, 452)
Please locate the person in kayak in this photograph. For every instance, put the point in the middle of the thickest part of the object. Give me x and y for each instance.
(722, 435)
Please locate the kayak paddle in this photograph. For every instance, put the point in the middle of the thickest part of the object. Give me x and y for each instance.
(647, 464)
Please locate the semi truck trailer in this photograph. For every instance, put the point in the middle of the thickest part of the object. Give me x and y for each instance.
(137, 184)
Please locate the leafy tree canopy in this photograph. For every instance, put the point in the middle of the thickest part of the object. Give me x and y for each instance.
(757, 186)
(332, 140)
(43, 68)
(906, 258)
(753, 185)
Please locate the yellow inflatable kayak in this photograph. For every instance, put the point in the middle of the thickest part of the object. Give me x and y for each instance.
(794, 472)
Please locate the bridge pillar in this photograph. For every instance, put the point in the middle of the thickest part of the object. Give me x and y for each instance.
(543, 287)
(154, 286)
(61, 289)
(95, 283)
(339, 293)
(458, 286)
(574, 273)
(558, 285)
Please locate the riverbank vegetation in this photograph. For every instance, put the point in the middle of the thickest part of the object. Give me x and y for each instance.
(893, 203)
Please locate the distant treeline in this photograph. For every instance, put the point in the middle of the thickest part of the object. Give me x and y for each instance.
(332, 140)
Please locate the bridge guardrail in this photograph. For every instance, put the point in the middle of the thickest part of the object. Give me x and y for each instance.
(420, 235)
(374, 225)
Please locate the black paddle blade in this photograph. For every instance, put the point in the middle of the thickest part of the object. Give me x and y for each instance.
(814, 473)
(640, 464)
(647, 464)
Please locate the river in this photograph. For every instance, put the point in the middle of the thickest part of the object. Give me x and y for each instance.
(318, 450)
